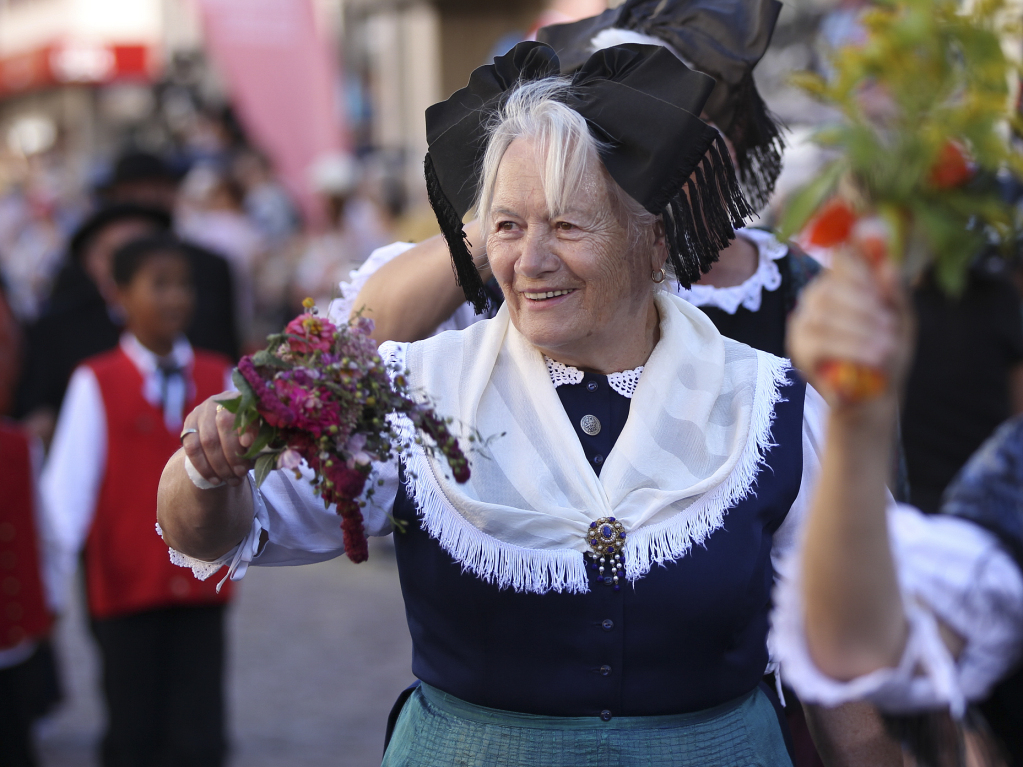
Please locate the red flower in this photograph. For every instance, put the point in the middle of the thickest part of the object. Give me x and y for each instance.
(310, 333)
(952, 168)
(831, 225)
(354, 538)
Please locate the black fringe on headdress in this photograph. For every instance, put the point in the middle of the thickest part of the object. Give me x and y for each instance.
(466, 273)
(703, 210)
(756, 134)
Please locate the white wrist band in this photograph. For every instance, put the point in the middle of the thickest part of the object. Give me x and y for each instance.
(198, 479)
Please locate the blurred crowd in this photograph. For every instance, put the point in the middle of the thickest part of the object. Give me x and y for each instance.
(254, 259)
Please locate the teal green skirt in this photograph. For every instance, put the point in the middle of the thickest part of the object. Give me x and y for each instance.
(438, 730)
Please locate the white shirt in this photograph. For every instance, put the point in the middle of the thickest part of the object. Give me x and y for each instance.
(74, 471)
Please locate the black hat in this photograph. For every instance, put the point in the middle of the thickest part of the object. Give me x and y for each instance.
(141, 166)
(722, 38)
(112, 214)
(642, 103)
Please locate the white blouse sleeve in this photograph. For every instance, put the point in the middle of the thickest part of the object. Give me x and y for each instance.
(948, 569)
(290, 525)
(341, 308)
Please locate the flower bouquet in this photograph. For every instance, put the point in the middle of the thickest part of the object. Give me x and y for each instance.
(926, 105)
(320, 393)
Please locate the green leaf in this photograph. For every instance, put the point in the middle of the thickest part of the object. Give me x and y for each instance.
(248, 398)
(263, 438)
(266, 463)
(264, 358)
(805, 202)
(231, 405)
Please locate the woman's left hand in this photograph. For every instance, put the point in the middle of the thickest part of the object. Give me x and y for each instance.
(856, 313)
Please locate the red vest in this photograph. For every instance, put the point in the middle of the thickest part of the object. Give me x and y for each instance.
(127, 565)
(23, 611)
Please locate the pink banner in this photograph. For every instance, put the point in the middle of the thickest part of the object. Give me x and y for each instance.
(282, 77)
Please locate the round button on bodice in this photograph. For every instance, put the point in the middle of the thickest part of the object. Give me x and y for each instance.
(605, 670)
(605, 715)
(598, 459)
(591, 386)
(590, 425)
(607, 624)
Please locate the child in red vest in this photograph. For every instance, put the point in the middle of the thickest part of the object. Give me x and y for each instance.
(28, 598)
(159, 631)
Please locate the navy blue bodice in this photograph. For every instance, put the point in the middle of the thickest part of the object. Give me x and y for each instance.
(685, 637)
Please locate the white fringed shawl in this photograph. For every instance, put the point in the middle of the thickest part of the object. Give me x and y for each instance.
(698, 428)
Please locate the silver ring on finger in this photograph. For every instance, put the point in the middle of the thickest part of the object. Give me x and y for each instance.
(185, 433)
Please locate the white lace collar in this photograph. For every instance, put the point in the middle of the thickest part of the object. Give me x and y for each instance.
(624, 382)
(748, 293)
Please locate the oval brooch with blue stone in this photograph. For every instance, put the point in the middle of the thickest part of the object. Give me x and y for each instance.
(607, 539)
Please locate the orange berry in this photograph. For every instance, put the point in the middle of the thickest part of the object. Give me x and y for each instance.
(952, 168)
(871, 237)
(832, 224)
(851, 381)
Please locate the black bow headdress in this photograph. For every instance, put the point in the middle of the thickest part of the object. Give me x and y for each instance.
(722, 38)
(641, 103)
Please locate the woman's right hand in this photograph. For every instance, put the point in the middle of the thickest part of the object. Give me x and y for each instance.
(216, 449)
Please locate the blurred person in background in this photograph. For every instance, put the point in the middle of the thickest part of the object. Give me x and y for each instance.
(354, 230)
(922, 614)
(83, 318)
(966, 376)
(160, 634)
(10, 354)
(37, 213)
(29, 600)
(266, 202)
(211, 214)
(143, 178)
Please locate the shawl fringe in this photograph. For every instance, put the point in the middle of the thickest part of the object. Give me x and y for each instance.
(564, 570)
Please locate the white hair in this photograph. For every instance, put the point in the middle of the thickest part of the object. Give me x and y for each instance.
(565, 148)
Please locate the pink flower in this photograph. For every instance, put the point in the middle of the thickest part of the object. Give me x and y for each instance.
(357, 455)
(289, 459)
(310, 333)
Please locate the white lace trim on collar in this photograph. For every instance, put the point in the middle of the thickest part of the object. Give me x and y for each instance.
(624, 382)
(748, 293)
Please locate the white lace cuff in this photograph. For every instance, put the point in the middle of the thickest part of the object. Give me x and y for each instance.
(238, 558)
(948, 569)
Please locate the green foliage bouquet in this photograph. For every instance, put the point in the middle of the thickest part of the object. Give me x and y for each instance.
(927, 112)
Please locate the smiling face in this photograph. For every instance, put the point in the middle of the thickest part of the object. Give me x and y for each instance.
(574, 284)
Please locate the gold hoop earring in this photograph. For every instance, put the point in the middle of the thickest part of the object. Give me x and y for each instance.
(658, 276)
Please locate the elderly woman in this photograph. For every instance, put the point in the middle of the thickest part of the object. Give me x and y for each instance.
(598, 592)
